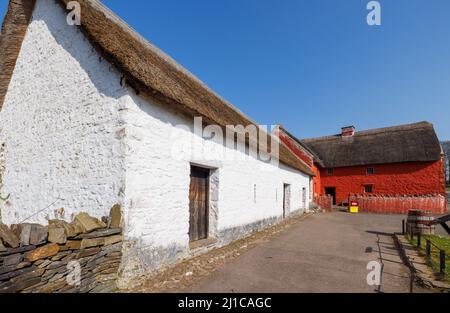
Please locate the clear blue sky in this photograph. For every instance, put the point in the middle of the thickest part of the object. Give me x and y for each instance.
(311, 65)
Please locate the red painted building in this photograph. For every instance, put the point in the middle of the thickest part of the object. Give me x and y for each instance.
(412, 178)
(304, 153)
(401, 160)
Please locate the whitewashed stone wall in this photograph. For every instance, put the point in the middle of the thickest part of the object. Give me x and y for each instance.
(157, 193)
(73, 133)
(59, 124)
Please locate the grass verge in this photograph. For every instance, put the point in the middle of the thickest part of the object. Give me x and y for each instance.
(437, 241)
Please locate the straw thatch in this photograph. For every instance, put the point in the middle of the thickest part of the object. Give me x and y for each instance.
(406, 143)
(148, 70)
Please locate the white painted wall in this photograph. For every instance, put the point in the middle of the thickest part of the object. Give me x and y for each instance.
(72, 132)
(157, 180)
(59, 121)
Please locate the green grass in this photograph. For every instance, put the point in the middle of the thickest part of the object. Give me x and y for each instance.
(441, 242)
(447, 188)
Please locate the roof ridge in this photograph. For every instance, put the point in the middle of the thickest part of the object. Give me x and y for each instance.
(163, 55)
(302, 144)
(145, 67)
(415, 142)
(374, 131)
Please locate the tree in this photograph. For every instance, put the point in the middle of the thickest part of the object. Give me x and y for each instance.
(446, 147)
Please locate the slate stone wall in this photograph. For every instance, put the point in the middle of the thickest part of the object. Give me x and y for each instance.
(79, 257)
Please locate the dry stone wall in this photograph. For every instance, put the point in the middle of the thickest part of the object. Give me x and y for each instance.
(78, 257)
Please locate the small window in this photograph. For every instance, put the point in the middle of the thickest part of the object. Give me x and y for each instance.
(254, 193)
(370, 171)
(368, 188)
(330, 171)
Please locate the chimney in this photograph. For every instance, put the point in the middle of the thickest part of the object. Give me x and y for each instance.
(348, 131)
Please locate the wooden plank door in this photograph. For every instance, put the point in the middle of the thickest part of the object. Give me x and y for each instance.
(198, 204)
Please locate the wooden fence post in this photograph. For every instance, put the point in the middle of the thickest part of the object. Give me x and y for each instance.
(428, 248)
(442, 262)
(419, 241)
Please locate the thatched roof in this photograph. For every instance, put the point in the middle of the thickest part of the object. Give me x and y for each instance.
(406, 143)
(146, 68)
(14, 28)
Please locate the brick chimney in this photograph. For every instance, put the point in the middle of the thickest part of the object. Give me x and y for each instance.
(348, 131)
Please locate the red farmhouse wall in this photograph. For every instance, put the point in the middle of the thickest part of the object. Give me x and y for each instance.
(415, 178)
(317, 183)
(305, 157)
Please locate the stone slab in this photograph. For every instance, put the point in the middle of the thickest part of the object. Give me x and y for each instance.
(57, 235)
(100, 233)
(88, 223)
(42, 252)
(115, 216)
(8, 237)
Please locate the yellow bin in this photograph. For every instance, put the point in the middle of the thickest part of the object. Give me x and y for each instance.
(354, 207)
